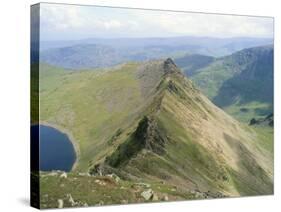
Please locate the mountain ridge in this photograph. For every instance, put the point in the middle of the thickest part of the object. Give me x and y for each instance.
(147, 122)
(171, 89)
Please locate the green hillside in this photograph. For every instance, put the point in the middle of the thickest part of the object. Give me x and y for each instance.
(147, 123)
(191, 63)
(241, 84)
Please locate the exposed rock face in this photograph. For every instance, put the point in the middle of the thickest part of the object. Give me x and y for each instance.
(150, 135)
(268, 120)
(170, 67)
(151, 73)
(147, 136)
(102, 169)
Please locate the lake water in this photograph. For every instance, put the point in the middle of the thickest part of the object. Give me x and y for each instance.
(56, 150)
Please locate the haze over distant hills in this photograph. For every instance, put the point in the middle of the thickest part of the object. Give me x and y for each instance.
(95, 53)
(232, 44)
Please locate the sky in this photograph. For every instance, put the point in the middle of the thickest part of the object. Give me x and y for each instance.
(72, 22)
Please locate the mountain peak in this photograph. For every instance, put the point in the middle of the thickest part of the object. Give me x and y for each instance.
(170, 67)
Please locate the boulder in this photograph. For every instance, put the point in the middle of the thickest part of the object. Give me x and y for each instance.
(155, 197)
(100, 203)
(114, 176)
(166, 198)
(100, 182)
(63, 175)
(71, 200)
(60, 203)
(147, 194)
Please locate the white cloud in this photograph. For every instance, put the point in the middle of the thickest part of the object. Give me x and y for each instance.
(80, 21)
(112, 24)
(200, 24)
(59, 17)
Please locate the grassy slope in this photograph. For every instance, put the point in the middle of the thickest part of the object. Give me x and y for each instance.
(88, 104)
(190, 63)
(240, 83)
(94, 105)
(34, 91)
(245, 112)
(206, 150)
(211, 79)
(208, 159)
(212, 161)
(101, 190)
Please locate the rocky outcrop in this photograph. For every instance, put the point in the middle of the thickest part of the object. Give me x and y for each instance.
(147, 194)
(170, 67)
(151, 136)
(147, 136)
(268, 120)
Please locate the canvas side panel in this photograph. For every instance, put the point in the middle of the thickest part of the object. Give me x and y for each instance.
(34, 112)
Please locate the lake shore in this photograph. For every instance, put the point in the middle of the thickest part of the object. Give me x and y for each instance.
(71, 138)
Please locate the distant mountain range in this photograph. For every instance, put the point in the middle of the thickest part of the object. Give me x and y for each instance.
(241, 83)
(97, 53)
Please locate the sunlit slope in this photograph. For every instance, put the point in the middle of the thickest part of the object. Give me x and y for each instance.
(186, 141)
(241, 83)
(147, 122)
(94, 105)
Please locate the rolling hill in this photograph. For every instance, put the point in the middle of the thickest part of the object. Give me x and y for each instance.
(208, 45)
(148, 123)
(98, 53)
(82, 56)
(191, 63)
(241, 83)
